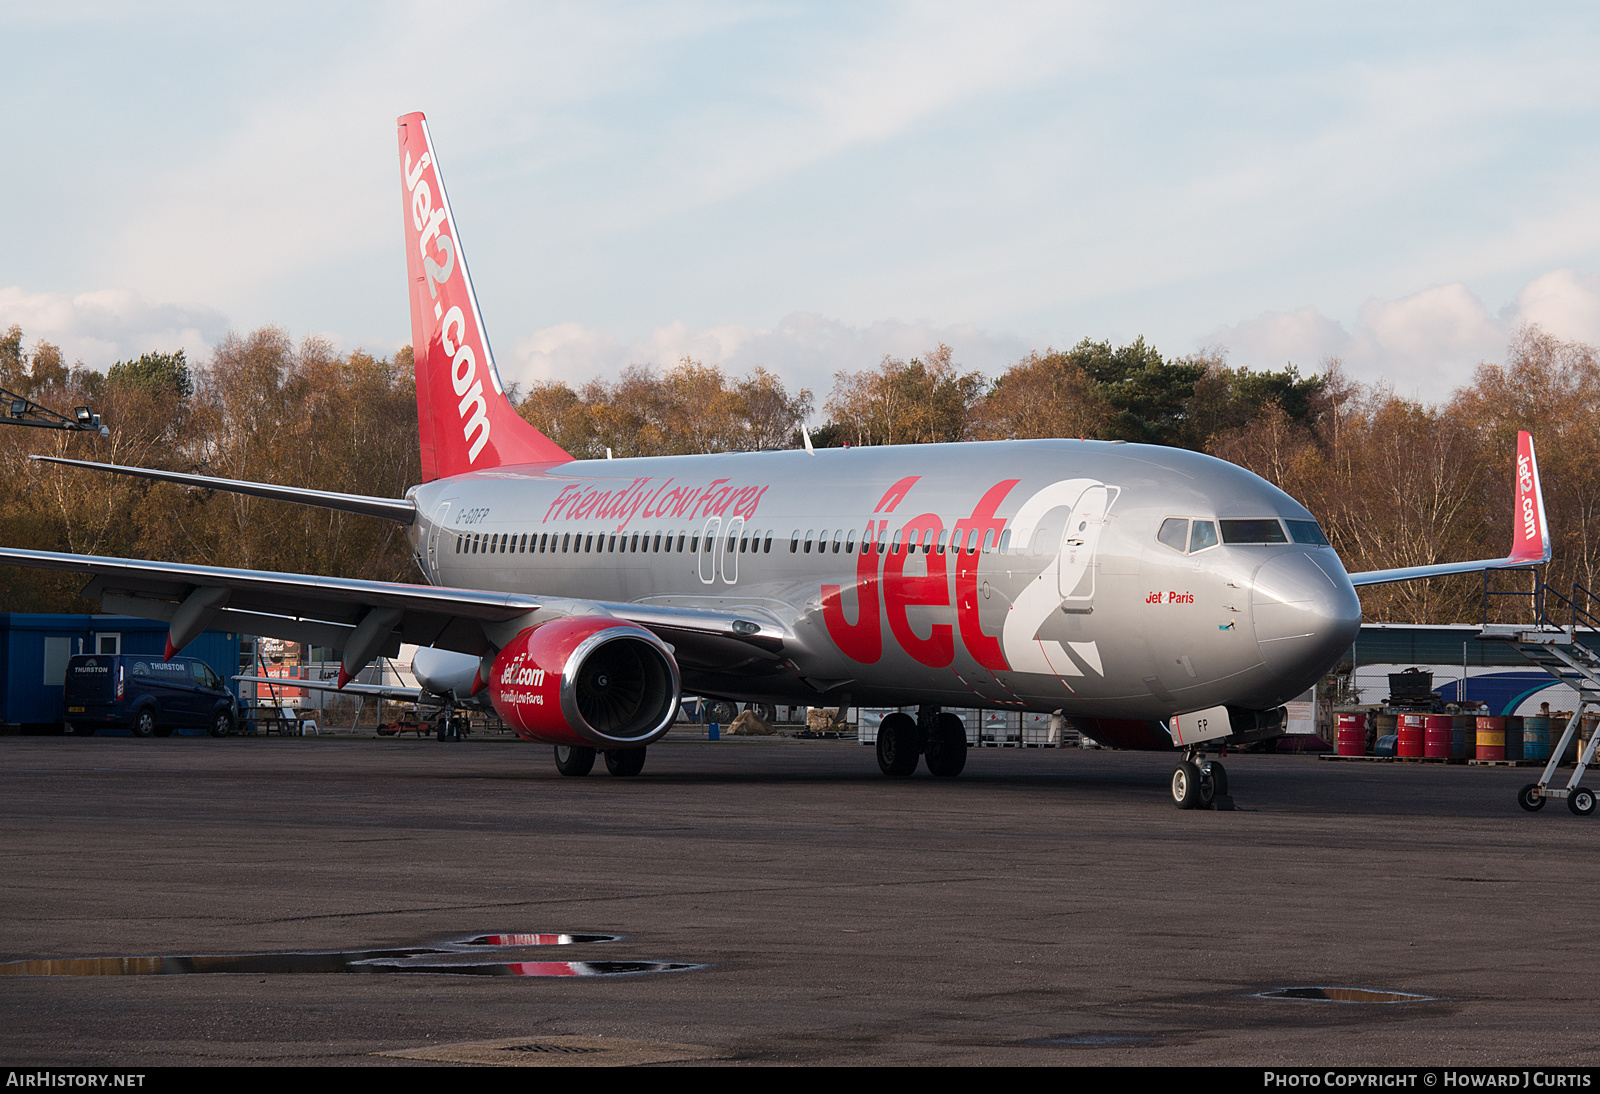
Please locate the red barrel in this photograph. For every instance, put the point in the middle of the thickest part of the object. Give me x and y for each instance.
(1413, 731)
(1352, 734)
(1491, 738)
(1436, 736)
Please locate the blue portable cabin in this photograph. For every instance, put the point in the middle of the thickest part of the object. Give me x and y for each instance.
(34, 649)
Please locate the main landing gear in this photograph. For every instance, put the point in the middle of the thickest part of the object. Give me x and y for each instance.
(1199, 783)
(576, 760)
(936, 735)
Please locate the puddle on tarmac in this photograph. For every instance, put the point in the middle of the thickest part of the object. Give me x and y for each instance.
(1094, 1040)
(466, 957)
(1346, 995)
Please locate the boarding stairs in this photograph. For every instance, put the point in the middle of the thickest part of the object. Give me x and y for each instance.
(1555, 644)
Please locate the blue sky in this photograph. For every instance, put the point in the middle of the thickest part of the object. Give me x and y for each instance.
(811, 186)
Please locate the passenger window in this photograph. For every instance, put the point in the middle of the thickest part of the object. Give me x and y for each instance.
(766, 547)
(1202, 534)
(1005, 541)
(794, 542)
(850, 543)
(808, 541)
(894, 544)
(1174, 533)
(838, 537)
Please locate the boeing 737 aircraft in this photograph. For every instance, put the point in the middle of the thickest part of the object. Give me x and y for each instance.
(1161, 598)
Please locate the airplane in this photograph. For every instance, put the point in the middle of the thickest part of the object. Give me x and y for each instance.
(1157, 597)
(434, 699)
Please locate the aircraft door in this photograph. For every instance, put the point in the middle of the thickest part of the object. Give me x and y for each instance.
(730, 551)
(1079, 540)
(708, 550)
(439, 517)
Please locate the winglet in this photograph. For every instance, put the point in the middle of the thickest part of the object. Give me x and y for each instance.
(1530, 534)
(465, 421)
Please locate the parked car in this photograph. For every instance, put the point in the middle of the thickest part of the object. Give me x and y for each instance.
(147, 696)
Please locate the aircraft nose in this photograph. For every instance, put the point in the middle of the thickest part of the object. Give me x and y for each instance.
(1305, 616)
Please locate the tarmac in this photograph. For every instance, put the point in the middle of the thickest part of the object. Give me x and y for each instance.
(1048, 907)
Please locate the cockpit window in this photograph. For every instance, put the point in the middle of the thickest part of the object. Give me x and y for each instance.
(1174, 533)
(1252, 531)
(1202, 534)
(1306, 531)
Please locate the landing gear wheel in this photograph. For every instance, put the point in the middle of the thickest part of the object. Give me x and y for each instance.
(721, 712)
(1531, 798)
(945, 750)
(1581, 801)
(575, 759)
(1219, 779)
(625, 761)
(144, 723)
(222, 724)
(1189, 789)
(897, 745)
(765, 711)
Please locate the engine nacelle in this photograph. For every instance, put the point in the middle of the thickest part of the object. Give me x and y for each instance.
(592, 681)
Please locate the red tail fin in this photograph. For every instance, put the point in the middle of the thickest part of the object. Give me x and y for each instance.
(465, 420)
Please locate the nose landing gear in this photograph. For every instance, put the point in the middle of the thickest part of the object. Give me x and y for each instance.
(1199, 783)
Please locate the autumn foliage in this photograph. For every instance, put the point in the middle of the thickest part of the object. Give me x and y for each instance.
(1393, 481)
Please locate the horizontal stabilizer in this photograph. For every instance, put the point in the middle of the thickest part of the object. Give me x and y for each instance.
(396, 509)
(1530, 536)
(382, 691)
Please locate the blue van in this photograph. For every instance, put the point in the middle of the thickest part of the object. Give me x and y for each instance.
(147, 696)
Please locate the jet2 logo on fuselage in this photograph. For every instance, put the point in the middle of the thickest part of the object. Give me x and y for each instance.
(887, 595)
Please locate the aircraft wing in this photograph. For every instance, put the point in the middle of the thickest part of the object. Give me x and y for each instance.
(1530, 537)
(371, 618)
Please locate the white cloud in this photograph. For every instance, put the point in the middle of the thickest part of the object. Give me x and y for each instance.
(1425, 344)
(111, 324)
(1438, 335)
(1565, 303)
(804, 349)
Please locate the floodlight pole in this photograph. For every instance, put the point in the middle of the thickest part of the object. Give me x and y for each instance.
(21, 410)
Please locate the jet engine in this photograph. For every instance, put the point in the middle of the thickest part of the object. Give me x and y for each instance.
(590, 681)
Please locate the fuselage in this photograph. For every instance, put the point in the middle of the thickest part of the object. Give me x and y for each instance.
(1096, 578)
